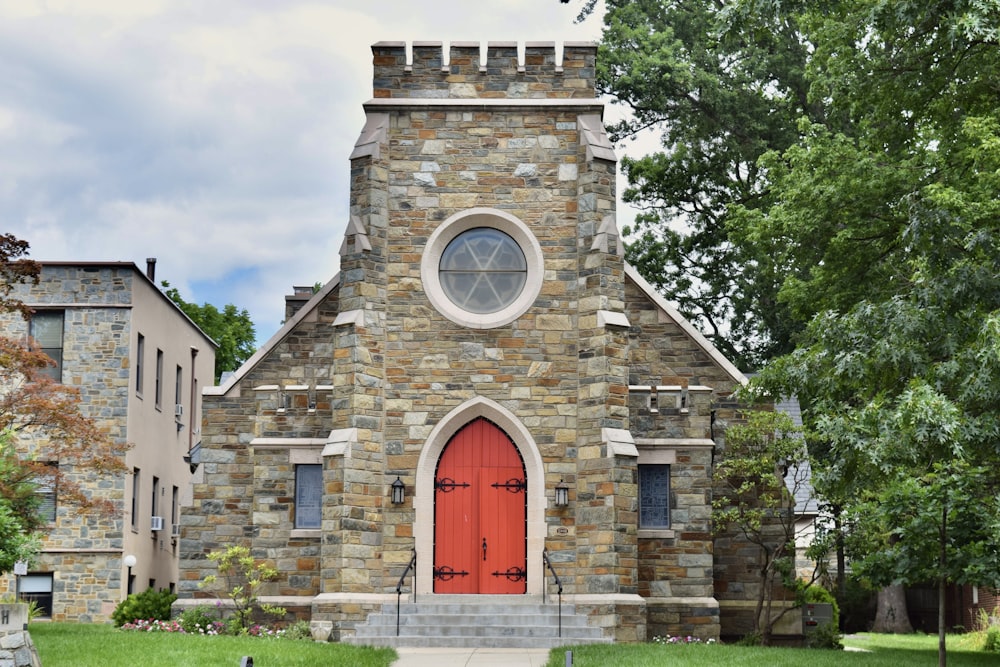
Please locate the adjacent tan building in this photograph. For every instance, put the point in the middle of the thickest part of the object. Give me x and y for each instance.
(140, 365)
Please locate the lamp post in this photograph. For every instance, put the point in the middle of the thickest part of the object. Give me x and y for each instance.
(129, 563)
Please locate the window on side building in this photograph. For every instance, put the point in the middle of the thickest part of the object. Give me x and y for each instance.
(47, 331)
(654, 496)
(178, 394)
(308, 495)
(159, 380)
(155, 507)
(140, 359)
(46, 490)
(135, 500)
(38, 587)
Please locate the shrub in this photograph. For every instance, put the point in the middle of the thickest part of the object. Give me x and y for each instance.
(992, 641)
(825, 636)
(298, 630)
(986, 636)
(150, 605)
(199, 621)
(819, 595)
(243, 578)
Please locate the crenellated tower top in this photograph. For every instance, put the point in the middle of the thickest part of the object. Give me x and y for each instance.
(470, 70)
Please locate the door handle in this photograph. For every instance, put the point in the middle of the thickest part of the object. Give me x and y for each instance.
(484, 548)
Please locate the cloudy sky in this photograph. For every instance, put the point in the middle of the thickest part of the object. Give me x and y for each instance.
(213, 135)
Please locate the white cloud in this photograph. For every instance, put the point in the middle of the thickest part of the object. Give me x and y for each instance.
(211, 135)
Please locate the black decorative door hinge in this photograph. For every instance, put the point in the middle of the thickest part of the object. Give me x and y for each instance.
(447, 484)
(513, 574)
(513, 485)
(445, 573)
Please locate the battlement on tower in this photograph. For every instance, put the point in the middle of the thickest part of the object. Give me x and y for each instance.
(469, 70)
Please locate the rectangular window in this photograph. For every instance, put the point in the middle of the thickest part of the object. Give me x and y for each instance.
(178, 394)
(654, 496)
(308, 495)
(174, 515)
(46, 489)
(155, 507)
(159, 379)
(38, 587)
(140, 358)
(135, 499)
(47, 332)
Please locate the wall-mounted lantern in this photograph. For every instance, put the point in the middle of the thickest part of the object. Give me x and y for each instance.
(562, 494)
(398, 492)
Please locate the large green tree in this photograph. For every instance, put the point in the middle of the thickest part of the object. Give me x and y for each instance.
(720, 88)
(230, 327)
(893, 231)
(828, 181)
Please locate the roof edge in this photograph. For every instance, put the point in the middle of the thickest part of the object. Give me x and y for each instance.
(737, 375)
(266, 348)
(142, 276)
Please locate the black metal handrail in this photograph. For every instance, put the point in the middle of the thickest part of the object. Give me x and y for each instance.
(399, 586)
(548, 564)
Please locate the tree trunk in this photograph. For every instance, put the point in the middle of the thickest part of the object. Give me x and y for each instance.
(942, 598)
(841, 556)
(892, 616)
(942, 582)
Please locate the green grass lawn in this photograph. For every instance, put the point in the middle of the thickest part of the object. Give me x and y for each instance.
(883, 651)
(79, 645)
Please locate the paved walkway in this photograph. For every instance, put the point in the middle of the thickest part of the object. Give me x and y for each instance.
(471, 657)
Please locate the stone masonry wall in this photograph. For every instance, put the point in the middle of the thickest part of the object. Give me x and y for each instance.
(501, 75)
(661, 354)
(445, 162)
(527, 162)
(83, 550)
(244, 495)
(16, 646)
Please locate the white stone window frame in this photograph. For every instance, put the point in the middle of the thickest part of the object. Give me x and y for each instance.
(653, 455)
(471, 219)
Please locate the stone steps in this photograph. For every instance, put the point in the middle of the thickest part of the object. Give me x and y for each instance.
(465, 621)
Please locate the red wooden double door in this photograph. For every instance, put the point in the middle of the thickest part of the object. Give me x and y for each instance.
(480, 494)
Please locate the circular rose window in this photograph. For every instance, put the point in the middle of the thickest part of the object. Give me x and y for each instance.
(483, 270)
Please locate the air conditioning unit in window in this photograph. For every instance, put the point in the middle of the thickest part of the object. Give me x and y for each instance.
(178, 410)
(175, 530)
(156, 523)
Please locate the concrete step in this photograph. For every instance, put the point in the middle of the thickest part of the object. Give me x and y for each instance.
(477, 621)
(469, 642)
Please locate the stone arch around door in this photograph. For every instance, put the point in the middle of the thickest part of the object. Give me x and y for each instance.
(423, 501)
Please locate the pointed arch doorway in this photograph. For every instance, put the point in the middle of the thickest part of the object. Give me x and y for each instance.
(480, 513)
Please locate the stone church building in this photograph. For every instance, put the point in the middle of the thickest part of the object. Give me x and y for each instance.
(541, 410)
